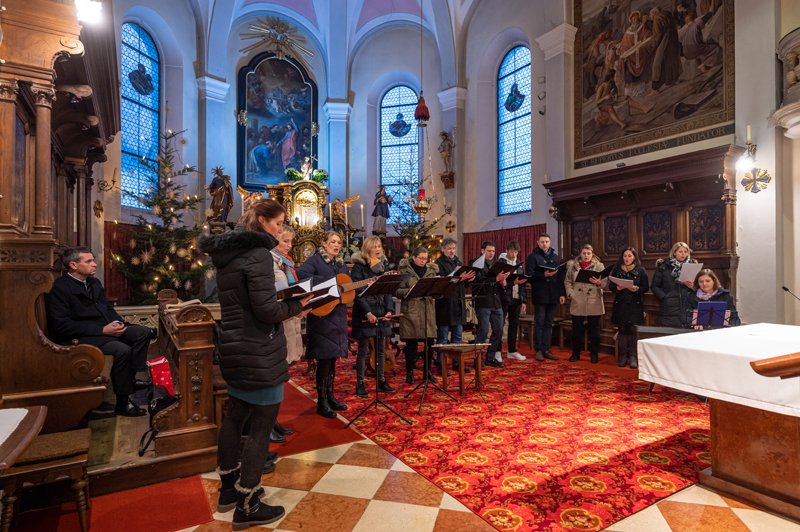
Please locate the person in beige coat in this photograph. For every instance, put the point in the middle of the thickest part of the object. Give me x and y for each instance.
(418, 316)
(586, 302)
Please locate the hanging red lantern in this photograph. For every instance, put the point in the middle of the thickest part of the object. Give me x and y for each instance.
(421, 113)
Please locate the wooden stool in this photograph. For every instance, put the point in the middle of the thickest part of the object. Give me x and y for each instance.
(463, 352)
(51, 457)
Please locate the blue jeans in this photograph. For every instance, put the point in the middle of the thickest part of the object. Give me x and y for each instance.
(442, 332)
(543, 327)
(490, 317)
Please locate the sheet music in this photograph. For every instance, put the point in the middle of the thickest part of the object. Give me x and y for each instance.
(624, 283)
(480, 262)
(689, 271)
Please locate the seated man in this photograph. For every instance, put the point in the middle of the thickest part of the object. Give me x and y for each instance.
(77, 309)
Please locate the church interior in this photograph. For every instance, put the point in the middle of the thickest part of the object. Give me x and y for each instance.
(135, 132)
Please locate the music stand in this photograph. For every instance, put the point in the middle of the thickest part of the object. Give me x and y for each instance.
(711, 314)
(385, 284)
(429, 287)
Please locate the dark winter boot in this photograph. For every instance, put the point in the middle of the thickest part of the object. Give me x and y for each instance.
(323, 408)
(409, 374)
(227, 490)
(593, 358)
(634, 361)
(334, 403)
(250, 511)
(384, 387)
(361, 390)
(623, 360)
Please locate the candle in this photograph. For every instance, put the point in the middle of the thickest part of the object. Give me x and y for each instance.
(346, 223)
(422, 193)
(330, 213)
(748, 134)
(362, 215)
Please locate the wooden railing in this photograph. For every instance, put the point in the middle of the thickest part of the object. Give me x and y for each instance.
(784, 366)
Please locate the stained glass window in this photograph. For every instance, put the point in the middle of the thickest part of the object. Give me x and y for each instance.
(514, 132)
(399, 143)
(141, 105)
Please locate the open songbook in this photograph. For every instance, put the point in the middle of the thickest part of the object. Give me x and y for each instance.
(322, 293)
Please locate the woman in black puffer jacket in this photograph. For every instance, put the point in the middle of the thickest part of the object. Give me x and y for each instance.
(672, 293)
(252, 356)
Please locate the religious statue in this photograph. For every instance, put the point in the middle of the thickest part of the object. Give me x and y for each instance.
(446, 151)
(381, 211)
(221, 193)
(306, 168)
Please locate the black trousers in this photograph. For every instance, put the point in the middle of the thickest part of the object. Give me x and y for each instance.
(577, 334)
(253, 454)
(363, 354)
(411, 350)
(130, 355)
(627, 339)
(511, 312)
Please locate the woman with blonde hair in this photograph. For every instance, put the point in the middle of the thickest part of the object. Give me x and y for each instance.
(672, 293)
(371, 313)
(327, 335)
(586, 302)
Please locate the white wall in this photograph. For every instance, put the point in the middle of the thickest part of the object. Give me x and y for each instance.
(376, 67)
(494, 29)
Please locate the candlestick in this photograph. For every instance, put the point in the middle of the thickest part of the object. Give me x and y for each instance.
(749, 139)
(362, 215)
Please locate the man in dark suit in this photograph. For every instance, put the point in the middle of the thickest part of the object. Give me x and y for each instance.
(543, 265)
(77, 309)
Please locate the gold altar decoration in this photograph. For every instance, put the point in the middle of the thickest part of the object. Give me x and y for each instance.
(304, 202)
(278, 37)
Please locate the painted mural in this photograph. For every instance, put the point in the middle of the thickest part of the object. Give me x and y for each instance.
(279, 101)
(648, 70)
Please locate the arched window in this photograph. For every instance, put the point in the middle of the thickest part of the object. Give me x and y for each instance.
(514, 132)
(399, 144)
(141, 111)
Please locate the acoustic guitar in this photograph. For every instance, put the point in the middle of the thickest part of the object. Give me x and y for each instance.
(347, 293)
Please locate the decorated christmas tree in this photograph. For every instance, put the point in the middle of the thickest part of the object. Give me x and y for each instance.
(162, 249)
(413, 228)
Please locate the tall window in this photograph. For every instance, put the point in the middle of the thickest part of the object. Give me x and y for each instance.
(399, 143)
(514, 132)
(141, 103)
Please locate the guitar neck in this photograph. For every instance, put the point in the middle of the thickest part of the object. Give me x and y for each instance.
(356, 284)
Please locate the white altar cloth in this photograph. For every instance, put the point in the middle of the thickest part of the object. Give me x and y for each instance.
(716, 364)
(10, 418)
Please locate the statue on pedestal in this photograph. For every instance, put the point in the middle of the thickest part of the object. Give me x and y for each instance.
(381, 211)
(221, 193)
(446, 151)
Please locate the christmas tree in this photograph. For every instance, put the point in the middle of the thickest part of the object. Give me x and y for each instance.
(162, 250)
(414, 229)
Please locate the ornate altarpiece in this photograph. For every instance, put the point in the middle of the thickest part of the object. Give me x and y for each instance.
(304, 202)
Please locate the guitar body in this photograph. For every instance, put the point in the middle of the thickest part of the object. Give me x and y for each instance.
(389, 360)
(346, 297)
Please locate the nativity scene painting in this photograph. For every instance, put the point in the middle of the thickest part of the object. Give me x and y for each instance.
(650, 69)
(278, 98)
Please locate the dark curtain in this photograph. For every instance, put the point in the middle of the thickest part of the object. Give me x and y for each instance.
(526, 236)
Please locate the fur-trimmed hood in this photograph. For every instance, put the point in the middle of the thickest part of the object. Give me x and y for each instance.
(321, 252)
(405, 267)
(358, 258)
(227, 246)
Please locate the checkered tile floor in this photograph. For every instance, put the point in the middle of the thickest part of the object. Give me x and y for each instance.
(359, 486)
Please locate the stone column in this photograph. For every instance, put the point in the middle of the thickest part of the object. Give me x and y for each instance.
(213, 94)
(81, 200)
(43, 216)
(558, 47)
(338, 113)
(453, 101)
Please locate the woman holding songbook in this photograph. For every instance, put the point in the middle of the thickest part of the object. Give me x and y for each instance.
(371, 314)
(670, 291)
(327, 335)
(418, 316)
(707, 288)
(252, 357)
(585, 291)
(628, 311)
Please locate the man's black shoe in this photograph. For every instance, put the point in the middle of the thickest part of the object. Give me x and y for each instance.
(142, 384)
(276, 437)
(272, 456)
(128, 409)
(269, 467)
(493, 363)
(103, 408)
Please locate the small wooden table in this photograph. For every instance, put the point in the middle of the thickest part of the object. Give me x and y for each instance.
(463, 352)
(22, 436)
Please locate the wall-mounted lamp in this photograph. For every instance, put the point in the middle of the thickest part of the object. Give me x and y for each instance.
(89, 11)
(748, 159)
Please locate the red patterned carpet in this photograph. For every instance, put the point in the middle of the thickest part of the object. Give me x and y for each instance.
(547, 446)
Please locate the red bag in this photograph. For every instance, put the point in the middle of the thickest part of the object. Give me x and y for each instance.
(161, 374)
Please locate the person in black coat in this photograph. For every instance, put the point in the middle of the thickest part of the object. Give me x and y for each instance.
(628, 309)
(327, 335)
(77, 309)
(488, 294)
(451, 309)
(707, 288)
(371, 314)
(252, 356)
(515, 299)
(548, 291)
(673, 294)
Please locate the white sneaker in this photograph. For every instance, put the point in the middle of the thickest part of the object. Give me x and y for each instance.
(498, 357)
(516, 356)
